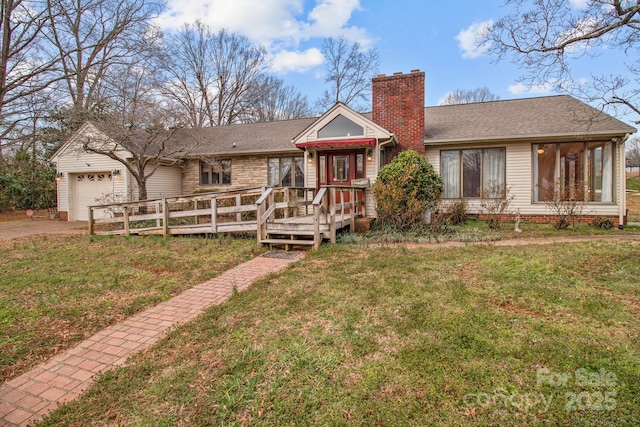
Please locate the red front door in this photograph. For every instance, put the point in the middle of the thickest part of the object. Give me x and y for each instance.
(340, 167)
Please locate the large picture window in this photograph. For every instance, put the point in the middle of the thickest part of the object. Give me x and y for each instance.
(473, 172)
(577, 170)
(286, 172)
(215, 173)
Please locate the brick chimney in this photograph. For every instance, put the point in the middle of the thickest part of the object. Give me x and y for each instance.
(398, 106)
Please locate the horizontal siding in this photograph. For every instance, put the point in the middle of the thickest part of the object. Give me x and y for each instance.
(519, 179)
(165, 182)
(71, 164)
(310, 170)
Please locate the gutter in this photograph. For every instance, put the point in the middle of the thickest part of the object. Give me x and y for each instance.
(623, 185)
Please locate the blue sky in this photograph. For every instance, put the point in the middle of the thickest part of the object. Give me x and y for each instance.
(430, 35)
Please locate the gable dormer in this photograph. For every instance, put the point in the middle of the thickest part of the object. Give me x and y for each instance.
(342, 127)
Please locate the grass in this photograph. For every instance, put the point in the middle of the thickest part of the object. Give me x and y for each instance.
(633, 199)
(474, 230)
(477, 335)
(56, 291)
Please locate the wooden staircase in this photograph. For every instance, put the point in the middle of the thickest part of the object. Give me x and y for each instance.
(333, 207)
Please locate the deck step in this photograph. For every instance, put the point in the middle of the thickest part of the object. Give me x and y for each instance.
(286, 242)
(283, 231)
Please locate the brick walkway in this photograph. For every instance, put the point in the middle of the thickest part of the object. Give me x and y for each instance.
(26, 399)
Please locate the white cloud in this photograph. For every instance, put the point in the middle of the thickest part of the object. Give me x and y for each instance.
(297, 61)
(579, 4)
(279, 25)
(521, 88)
(469, 39)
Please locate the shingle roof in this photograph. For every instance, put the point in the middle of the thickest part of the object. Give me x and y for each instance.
(248, 138)
(551, 116)
(530, 118)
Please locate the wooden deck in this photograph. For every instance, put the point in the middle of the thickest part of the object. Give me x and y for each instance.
(278, 216)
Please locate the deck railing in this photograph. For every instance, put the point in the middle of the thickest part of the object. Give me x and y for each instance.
(215, 212)
(281, 203)
(244, 210)
(332, 201)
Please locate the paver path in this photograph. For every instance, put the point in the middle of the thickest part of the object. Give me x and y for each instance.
(29, 397)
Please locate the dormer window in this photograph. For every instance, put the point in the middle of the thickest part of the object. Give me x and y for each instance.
(340, 126)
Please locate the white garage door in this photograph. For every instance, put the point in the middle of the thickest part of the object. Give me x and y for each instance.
(88, 188)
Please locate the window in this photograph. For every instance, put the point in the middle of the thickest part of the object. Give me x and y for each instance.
(340, 126)
(322, 169)
(473, 172)
(359, 165)
(577, 170)
(286, 172)
(215, 173)
(341, 168)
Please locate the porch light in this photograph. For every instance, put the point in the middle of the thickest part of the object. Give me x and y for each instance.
(115, 172)
(59, 176)
(369, 154)
(540, 150)
(310, 156)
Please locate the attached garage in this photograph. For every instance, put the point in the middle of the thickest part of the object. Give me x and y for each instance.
(87, 188)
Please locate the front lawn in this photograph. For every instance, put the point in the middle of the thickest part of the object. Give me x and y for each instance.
(58, 290)
(480, 335)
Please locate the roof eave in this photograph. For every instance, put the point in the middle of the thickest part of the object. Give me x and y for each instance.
(558, 137)
(245, 153)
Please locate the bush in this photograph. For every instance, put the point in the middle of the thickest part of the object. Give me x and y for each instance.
(567, 204)
(602, 223)
(405, 189)
(494, 202)
(456, 212)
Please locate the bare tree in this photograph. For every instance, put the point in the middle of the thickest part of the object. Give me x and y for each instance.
(545, 37)
(92, 36)
(633, 153)
(349, 71)
(276, 101)
(25, 66)
(140, 131)
(461, 96)
(213, 76)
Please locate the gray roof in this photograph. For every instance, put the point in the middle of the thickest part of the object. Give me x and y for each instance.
(531, 118)
(270, 137)
(554, 117)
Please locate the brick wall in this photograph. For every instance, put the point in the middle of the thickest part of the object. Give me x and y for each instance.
(548, 219)
(398, 106)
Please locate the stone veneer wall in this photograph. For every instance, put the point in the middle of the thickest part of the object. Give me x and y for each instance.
(246, 171)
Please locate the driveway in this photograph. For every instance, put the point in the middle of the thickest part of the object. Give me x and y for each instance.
(28, 227)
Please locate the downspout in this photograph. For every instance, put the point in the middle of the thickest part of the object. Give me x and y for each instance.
(391, 139)
(623, 184)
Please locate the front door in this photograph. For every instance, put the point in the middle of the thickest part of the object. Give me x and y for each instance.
(340, 167)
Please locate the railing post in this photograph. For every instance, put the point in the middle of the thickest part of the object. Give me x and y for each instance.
(317, 238)
(238, 204)
(353, 206)
(158, 221)
(286, 198)
(90, 221)
(214, 215)
(125, 214)
(271, 201)
(165, 217)
(332, 215)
